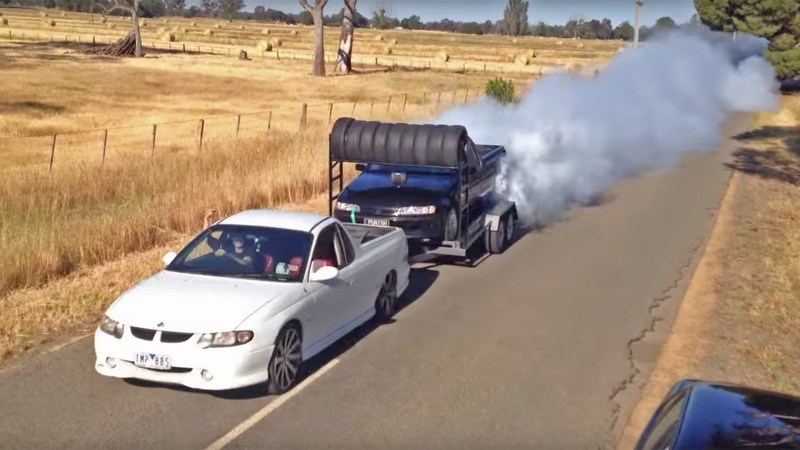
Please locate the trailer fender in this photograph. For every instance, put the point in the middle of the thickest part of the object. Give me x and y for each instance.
(492, 220)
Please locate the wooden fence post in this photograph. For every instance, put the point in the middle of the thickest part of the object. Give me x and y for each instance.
(389, 105)
(238, 123)
(405, 100)
(153, 143)
(330, 113)
(355, 103)
(201, 125)
(269, 122)
(52, 153)
(466, 94)
(303, 116)
(105, 141)
(424, 98)
(371, 106)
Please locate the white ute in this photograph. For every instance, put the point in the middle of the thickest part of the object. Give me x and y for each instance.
(251, 298)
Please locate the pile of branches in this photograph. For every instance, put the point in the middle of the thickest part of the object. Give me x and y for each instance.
(123, 47)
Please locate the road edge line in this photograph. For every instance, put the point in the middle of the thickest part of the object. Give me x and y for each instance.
(269, 408)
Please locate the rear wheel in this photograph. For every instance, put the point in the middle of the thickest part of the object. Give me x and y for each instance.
(287, 358)
(497, 241)
(387, 299)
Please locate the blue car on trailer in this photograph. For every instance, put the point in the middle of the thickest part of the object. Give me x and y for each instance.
(432, 181)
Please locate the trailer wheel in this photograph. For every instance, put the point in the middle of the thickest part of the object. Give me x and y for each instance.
(497, 241)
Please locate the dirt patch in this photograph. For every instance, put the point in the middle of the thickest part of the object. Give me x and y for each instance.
(740, 319)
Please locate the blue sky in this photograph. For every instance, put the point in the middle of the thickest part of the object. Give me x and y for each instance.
(550, 11)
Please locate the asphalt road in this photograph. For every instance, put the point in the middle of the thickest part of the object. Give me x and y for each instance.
(542, 347)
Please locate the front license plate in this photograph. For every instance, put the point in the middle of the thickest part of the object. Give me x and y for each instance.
(376, 222)
(153, 361)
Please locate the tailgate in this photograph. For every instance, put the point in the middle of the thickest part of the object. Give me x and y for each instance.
(363, 235)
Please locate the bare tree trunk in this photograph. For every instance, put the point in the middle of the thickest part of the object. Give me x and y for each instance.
(319, 44)
(319, 34)
(344, 62)
(136, 31)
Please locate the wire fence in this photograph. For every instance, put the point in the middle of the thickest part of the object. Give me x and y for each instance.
(106, 145)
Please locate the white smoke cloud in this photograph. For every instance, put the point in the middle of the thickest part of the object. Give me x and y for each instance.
(571, 138)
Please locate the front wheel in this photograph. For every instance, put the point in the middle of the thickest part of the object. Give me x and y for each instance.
(287, 358)
(387, 299)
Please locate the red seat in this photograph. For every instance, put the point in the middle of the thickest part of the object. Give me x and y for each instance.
(295, 264)
(320, 263)
(269, 263)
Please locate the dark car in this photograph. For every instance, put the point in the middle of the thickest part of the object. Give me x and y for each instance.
(707, 415)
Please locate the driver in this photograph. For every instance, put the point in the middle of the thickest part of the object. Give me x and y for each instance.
(239, 252)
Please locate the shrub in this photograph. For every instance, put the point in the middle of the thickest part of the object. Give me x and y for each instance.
(500, 90)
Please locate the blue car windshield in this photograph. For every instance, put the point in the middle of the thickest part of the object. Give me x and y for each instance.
(246, 252)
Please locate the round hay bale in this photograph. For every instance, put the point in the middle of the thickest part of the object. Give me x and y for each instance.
(168, 37)
(522, 60)
(111, 26)
(294, 33)
(1, 13)
(581, 45)
(63, 14)
(387, 50)
(161, 30)
(393, 42)
(166, 20)
(241, 27)
(277, 42)
(3, 21)
(515, 40)
(265, 46)
(217, 25)
(50, 22)
(208, 32)
(265, 31)
(104, 19)
(531, 54)
(143, 23)
(443, 56)
(560, 43)
(43, 14)
(379, 38)
(452, 39)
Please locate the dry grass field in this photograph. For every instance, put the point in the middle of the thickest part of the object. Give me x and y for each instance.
(111, 198)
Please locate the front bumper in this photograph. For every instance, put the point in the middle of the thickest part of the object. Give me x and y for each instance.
(422, 229)
(229, 367)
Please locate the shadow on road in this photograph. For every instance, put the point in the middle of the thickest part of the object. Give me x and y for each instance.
(420, 281)
(771, 161)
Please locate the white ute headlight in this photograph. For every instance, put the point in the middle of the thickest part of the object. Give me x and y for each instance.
(225, 339)
(112, 327)
(347, 207)
(415, 210)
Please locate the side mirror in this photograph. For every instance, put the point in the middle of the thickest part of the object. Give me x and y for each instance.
(324, 274)
(361, 167)
(168, 258)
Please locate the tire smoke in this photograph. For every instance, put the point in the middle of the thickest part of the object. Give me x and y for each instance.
(571, 138)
